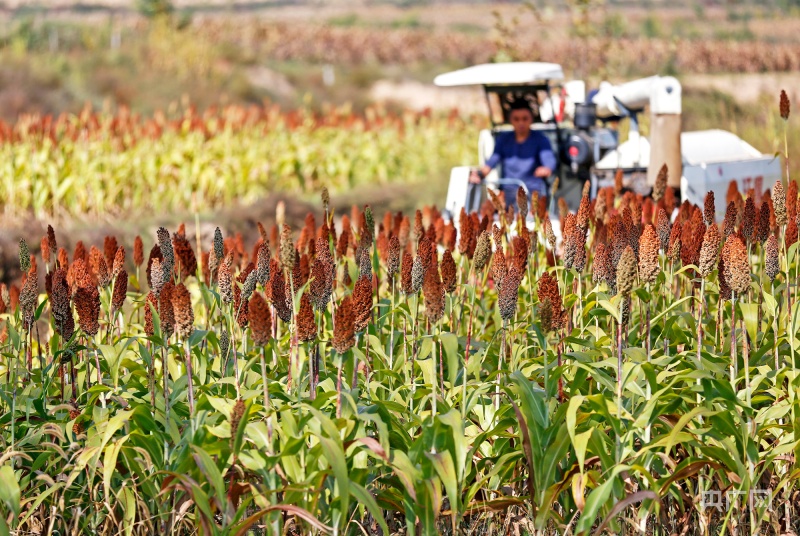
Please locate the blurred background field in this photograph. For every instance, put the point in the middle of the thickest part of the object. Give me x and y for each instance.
(216, 103)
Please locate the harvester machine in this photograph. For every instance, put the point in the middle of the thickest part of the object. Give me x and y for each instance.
(584, 130)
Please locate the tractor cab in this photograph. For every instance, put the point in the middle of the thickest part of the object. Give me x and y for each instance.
(553, 103)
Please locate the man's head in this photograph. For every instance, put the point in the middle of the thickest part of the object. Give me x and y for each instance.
(521, 117)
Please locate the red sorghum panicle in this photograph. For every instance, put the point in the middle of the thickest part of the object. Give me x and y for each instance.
(44, 245)
(343, 326)
(182, 311)
(120, 290)
(118, 263)
(405, 273)
(449, 272)
(434, 292)
(791, 232)
(306, 323)
(260, 319)
(362, 303)
(87, 305)
(138, 251)
(63, 258)
(547, 292)
(467, 232)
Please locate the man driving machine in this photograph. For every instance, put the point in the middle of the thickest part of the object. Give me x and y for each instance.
(525, 155)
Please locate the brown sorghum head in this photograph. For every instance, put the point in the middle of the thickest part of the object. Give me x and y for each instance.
(507, 297)
(763, 222)
(551, 236)
(362, 303)
(709, 250)
(343, 326)
(306, 323)
(663, 229)
(499, 268)
(483, 250)
(749, 222)
(600, 207)
(449, 272)
(323, 275)
(674, 252)
(165, 244)
(582, 220)
(225, 279)
(184, 254)
(626, 271)
(155, 254)
(522, 202)
(262, 262)
(709, 210)
(466, 232)
(60, 306)
(393, 257)
(661, 183)
(287, 250)
(649, 244)
(772, 261)
(149, 329)
(779, 203)
(120, 290)
(729, 223)
(182, 311)
(237, 413)
(260, 319)
(784, 105)
(737, 268)
(87, 305)
(791, 232)
(167, 315)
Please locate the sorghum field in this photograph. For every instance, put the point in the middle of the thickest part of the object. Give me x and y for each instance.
(398, 373)
(118, 165)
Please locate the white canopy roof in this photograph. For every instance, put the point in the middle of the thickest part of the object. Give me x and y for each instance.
(521, 72)
(707, 146)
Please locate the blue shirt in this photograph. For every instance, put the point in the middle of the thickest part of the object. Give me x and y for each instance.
(520, 160)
